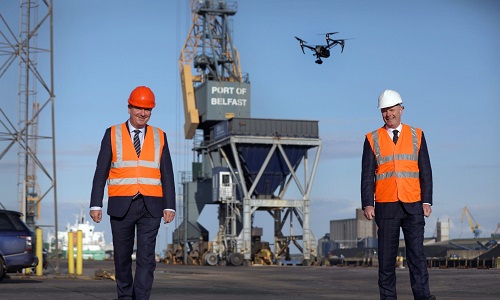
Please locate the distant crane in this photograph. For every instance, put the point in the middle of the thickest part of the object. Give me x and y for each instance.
(474, 226)
(495, 235)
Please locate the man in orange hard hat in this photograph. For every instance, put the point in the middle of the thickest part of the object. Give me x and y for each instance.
(396, 190)
(134, 160)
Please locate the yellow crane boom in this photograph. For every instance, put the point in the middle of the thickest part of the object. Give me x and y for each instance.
(474, 226)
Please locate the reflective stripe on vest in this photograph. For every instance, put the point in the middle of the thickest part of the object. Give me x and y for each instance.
(388, 158)
(129, 174)
(397, 175)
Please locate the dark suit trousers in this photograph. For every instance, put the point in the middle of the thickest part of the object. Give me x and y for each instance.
(124, 230)
(388, 244)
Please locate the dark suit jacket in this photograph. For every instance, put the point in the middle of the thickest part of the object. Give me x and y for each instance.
(388, 210)
(118, 206)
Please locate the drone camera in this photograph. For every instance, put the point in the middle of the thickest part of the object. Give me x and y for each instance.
(323, 52)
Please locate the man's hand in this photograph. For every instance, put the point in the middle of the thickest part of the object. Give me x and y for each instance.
(427, 210)
(168, 216)
(369, 212)
(96, 215)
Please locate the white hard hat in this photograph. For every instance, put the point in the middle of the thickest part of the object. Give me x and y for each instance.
(389, 98)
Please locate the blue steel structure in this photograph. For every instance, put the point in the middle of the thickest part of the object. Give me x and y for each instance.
(265, 159)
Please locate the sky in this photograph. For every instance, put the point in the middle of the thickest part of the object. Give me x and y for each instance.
(441, 56)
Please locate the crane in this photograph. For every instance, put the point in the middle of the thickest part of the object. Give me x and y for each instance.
(209, 49)
(241, 171)
(474, 226)
(495, 234)
(214, 89)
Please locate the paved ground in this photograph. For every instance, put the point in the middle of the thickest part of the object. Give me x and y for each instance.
(257, 282)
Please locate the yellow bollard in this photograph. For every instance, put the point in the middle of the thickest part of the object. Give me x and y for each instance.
(79, 253)
(39, 251)
(70, 254)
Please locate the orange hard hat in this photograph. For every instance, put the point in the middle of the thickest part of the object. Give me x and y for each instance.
(143, 97)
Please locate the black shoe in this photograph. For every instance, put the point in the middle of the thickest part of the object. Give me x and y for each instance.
(432, 297)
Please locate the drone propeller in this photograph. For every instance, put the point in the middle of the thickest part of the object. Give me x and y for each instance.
(327, 36)
(328, 33)
(300, 40)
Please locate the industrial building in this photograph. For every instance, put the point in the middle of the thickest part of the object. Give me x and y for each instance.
(355, 240)
(348, 233)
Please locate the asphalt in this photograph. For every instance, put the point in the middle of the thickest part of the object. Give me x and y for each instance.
(256, 282)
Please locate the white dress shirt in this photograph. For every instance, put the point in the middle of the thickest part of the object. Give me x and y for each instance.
(389, 130)
(132, 133)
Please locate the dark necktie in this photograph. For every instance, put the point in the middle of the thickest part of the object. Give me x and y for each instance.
(395, 136)
(137, 142)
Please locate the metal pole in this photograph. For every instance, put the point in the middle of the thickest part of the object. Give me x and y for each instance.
(71, 254)
(52, 98)
(39, 251)
(79, 253)
(185, 235)
(28, 219)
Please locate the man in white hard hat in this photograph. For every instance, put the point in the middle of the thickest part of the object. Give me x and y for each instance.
(396, 190)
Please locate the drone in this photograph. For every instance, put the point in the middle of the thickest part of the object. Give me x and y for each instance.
(322, 50)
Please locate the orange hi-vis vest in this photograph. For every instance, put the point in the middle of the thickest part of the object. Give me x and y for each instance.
(130, 174)
(397, 173)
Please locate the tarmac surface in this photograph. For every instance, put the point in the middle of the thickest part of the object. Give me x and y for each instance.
(256, 282)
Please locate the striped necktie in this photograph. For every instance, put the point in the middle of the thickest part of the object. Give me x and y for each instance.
(137, 142)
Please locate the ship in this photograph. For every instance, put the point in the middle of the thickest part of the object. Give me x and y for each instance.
(93, 242)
